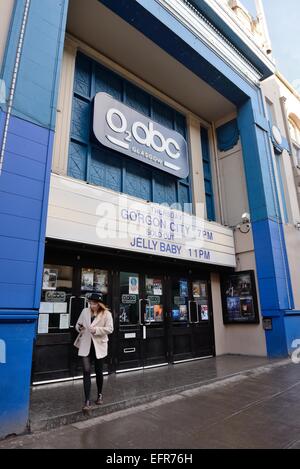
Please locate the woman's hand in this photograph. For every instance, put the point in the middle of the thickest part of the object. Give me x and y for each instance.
(92, 330)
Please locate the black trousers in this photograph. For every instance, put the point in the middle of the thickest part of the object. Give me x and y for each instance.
(87, 364)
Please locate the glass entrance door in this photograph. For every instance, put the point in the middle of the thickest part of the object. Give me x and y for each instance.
(202, 325)
(142, 336)
(191, 331)
(131, 306)
(155, 340)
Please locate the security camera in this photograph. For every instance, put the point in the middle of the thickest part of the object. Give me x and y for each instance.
(246, 218)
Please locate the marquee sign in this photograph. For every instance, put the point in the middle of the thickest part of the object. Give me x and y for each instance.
(127, 131)
(81, 213)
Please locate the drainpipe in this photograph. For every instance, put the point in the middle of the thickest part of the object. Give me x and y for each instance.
(262, 20)
(14, 81)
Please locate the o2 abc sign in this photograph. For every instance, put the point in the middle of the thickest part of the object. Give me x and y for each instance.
(125, 130)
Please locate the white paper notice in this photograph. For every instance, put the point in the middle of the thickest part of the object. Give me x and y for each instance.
(133, 285)
(43, 323)
(60, 307)
(64, 321)
(46, 307)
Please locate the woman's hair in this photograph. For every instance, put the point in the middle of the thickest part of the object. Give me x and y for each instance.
(101, 307)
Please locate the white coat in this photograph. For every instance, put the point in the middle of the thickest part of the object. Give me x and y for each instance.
(103, 324)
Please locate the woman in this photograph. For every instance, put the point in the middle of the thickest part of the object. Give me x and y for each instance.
(94, 324)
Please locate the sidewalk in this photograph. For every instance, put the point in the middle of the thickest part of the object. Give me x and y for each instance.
(60, 404)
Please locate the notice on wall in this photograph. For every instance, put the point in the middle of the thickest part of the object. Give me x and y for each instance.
(46, 307)
(43, 324)
(50, 279)
(60, 308)
(133, 285)
(64, 321)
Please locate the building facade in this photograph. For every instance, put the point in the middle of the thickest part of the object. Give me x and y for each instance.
(138, 160)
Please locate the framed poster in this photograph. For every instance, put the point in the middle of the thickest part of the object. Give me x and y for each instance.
(133, 285)
(87, 280)
(50, 279)
(239, 298)
(183, 288)
(101, 281)
(154, 286)
(204, 312)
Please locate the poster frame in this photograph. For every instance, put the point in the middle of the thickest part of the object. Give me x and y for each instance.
(226, 316)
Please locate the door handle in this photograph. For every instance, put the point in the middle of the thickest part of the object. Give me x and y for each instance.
(190, 319)
(129, 350)
(149, 304)
(86, 303)
(140, 311)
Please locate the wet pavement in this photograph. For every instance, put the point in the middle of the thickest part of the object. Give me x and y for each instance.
(253, 407)
(60, 404)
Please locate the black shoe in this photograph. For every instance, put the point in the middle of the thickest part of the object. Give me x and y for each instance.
(99, 401)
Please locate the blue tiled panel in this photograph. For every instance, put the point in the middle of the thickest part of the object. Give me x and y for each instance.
(81, 115)
(137, 99)
(102, 174)
(77, 161)
(138, 183)
(108, 82)
(164, 189)
(183, 197)
(15, 373)
(37, 84)
(90, 161)
(23, 189)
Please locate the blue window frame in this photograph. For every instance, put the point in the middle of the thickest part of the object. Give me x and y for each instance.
(90, 161)
(209, 195)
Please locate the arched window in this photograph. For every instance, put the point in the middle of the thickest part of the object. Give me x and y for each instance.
(294, 124)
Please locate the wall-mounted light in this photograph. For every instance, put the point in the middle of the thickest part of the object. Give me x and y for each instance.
(297, 225)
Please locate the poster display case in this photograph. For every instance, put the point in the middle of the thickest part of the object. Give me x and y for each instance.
(239, 298)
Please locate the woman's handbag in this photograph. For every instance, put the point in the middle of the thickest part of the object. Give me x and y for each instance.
(78, 340)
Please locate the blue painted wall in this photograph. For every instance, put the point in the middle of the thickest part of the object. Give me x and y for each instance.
(24, 189)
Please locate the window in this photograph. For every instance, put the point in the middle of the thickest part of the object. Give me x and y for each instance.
(54, 314)
(271, 113)
(209, 196)
(295, 136)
